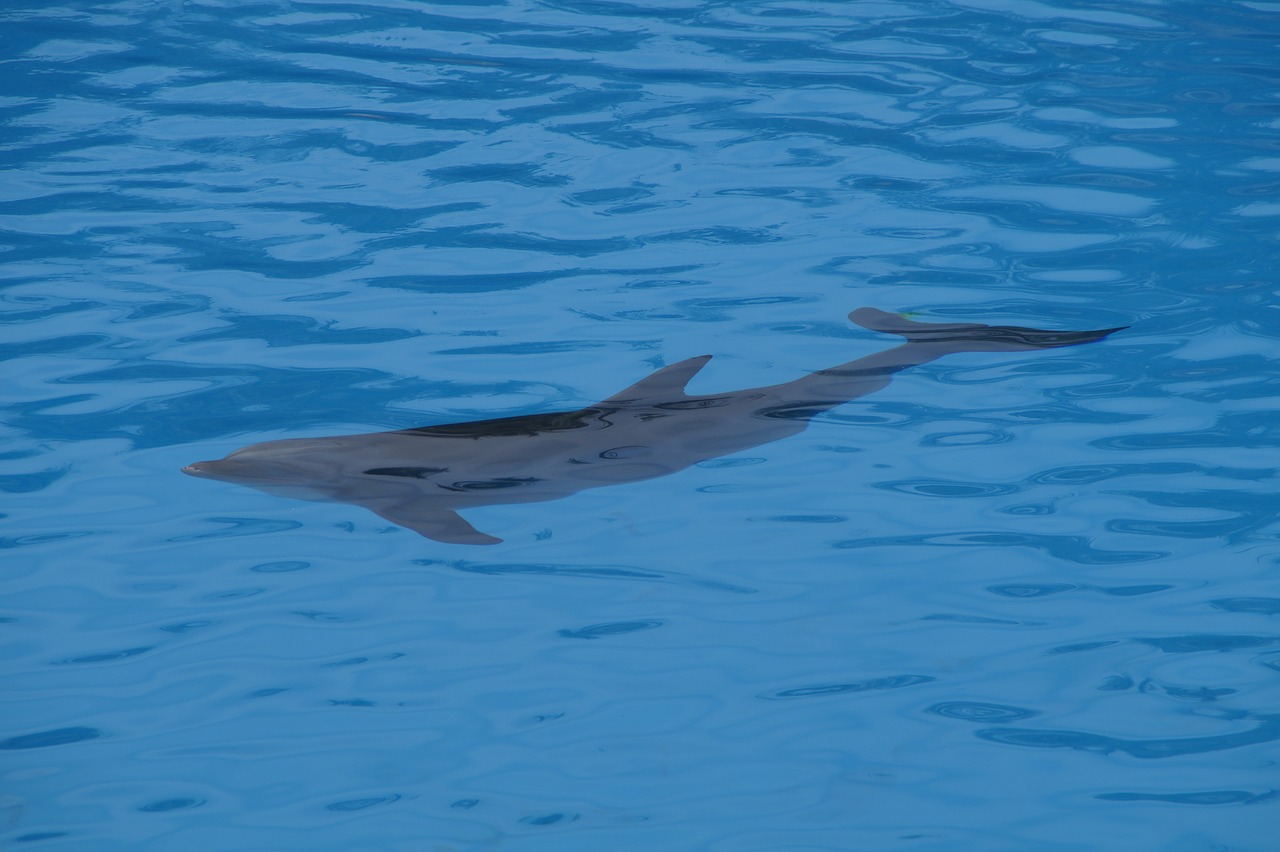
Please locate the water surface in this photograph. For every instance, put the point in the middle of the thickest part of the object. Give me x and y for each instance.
(1014, 601)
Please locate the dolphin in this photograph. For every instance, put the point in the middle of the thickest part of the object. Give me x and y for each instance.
(420, 478)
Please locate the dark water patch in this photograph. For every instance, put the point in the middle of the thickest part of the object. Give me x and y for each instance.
(40, 538)
(203, 247)
(240, 527)
(54, 737)
(40, 835)
(1088, 474)
(550, 347)
(1262, 606)
(880, 683)
(1267, 730)
(1029, 509)
(39, 407)
(280, 567)
(500, 281)
(946, 489)
(188, 626)
(611, 195)
(281, 330)
(1231, 529)
(720, 235)
(966, 439)
(867, 414)
(372, 219)
(1115, 683)
(1190, 693)
(1031, 590)
(465, 804)
(49, 306)
(1105, 181)
(603, 572)
(976, 711)
(1084, 646)
(722, 303)
(971, 619)
(612, 628)
(232, 594)
(521, 174)
(546, 569)
(326, 617)
(549, 819)
(362, 804)
(176, 305)
(106, 656)
(1240, 431)
(838, 331)
(1037, 590)
(1192, 643)
(803, 519)
(165, 805)
(480, 282)
(1075, 549)
(1205, 797)
(28, 483)
(488, 237)
(806, 197)
(1133, 591)
(233, 399)
(72, 343)
(1064, 413)
(917, 233)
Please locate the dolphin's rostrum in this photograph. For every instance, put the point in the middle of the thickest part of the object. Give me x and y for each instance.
(419, 478)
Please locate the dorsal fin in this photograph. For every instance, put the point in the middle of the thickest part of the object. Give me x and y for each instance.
(666, 384)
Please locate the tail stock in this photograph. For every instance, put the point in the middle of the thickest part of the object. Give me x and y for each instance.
(974, 337)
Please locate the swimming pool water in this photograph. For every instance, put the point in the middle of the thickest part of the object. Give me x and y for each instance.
(1013, 601)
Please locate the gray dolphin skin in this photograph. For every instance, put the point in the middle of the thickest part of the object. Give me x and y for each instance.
(420, 478)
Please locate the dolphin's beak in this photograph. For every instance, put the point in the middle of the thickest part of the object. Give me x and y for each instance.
(203, 469)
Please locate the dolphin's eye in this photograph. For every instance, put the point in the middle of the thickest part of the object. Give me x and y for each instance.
(625, 453)
(411, 472)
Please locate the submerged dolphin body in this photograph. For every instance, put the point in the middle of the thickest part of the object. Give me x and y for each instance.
(419, 478)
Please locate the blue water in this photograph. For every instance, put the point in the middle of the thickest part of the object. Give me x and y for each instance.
(1019, 601)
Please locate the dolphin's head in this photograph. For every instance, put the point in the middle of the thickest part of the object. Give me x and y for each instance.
(230, 470)
(283, 463)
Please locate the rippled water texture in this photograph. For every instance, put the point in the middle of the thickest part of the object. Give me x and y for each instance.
(1013, 601)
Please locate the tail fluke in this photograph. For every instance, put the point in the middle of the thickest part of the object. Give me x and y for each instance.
(974, 337)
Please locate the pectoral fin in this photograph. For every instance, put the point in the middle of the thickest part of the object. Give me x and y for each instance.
(435, 523)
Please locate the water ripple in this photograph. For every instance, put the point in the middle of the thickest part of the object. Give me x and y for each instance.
(895, 682)
(1267, 730)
